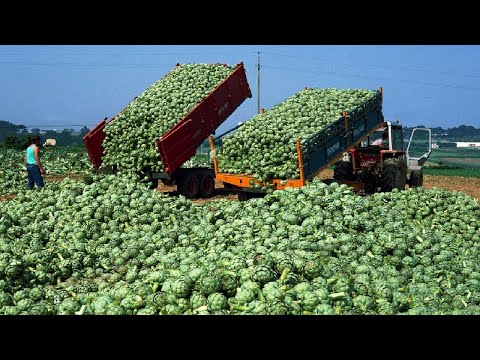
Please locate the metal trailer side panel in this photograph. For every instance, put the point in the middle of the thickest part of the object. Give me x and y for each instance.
(318, 151)
(322, 148)
(93, 142)
(180, 143)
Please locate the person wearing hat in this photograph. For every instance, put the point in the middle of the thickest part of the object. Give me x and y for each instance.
(32, 162)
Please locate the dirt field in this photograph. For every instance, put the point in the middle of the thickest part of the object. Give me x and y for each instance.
(469, 185)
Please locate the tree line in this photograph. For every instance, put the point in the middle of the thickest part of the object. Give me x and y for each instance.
(18, 136)
(459, 133)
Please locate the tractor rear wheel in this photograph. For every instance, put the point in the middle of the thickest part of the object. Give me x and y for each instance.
(416, 179)
(343, 170)
(394, 175)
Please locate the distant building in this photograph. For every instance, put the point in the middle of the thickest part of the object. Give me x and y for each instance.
(463, 144)
(447, 144)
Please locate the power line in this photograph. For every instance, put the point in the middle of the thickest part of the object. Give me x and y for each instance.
(258, 84)
(73, 64)
(220, 52)
(136, 65)
(274, 67)
(376, 66)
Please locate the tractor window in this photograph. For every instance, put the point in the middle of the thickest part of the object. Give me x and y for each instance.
(375, 136)
(397, 139)
(419, 143)
(380, 138)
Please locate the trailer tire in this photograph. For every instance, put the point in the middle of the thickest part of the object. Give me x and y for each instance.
(343, 171)
(243, 196)
(153, 184)
(394, 175)
(207, 186)
(416, 179)
(190, 186)
(247, 195)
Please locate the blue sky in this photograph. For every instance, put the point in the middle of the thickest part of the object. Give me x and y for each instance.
(52, 86)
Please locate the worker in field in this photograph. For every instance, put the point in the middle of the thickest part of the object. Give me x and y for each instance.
(382, 141)
(31, 160)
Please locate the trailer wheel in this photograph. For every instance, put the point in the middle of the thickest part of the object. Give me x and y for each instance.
(416, 179)
(343, 171)
(168, 182)
(190, 186)
(394, 175)
(244, 196)
(153, 184)
(207, 186)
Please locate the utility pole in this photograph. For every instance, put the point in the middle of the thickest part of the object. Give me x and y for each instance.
(258, 83)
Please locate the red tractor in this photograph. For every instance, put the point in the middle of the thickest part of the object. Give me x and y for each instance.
(381, 163)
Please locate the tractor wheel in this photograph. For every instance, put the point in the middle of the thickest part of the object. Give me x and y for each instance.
(207, 186)
(394, 175)
(416, 179)
(190, 186)
(370, 181)
(343, 170)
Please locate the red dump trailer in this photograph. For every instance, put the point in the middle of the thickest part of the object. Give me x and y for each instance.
(180, 143)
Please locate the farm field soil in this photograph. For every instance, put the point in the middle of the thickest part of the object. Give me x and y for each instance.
(468, 185)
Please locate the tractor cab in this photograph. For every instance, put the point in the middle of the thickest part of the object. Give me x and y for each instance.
(389, 137)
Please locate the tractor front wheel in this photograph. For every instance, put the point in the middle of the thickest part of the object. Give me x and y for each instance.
(394, 175)
(416, 179)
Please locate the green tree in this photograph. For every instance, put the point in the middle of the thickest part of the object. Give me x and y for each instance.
(10, 142)
(84, 131)
(8, 128)
(23, 140)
